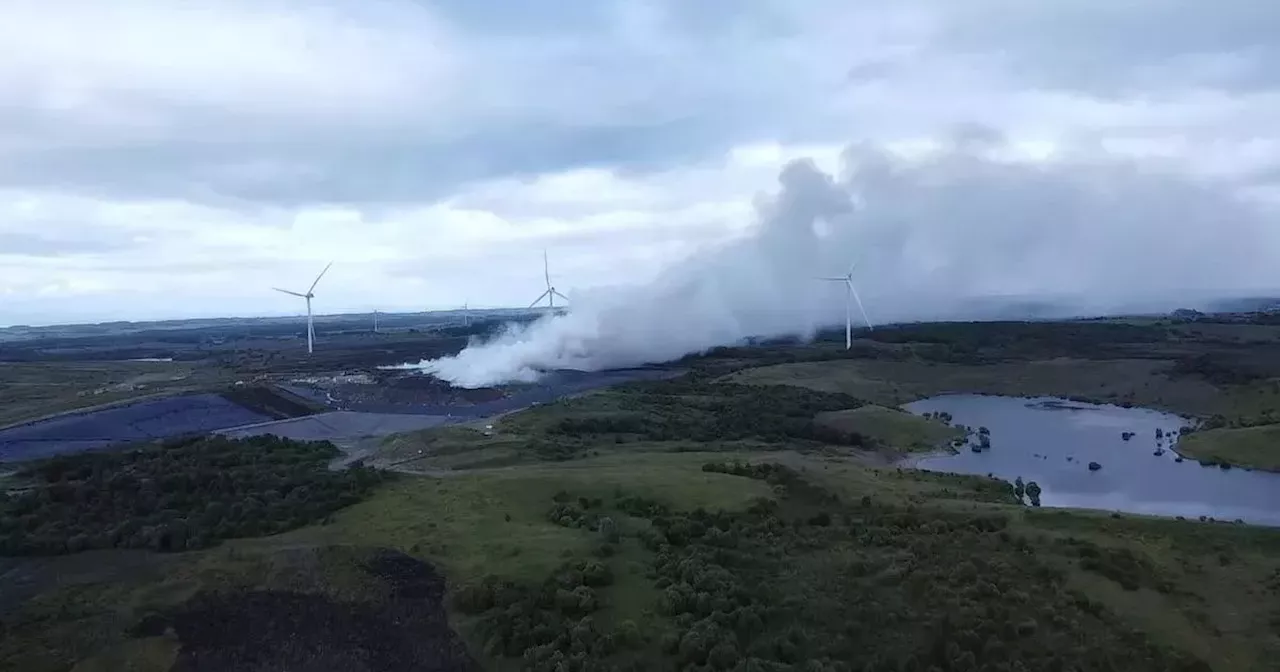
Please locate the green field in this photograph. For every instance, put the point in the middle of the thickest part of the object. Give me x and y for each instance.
(893, 428)
(1251, 447)
(468, 531)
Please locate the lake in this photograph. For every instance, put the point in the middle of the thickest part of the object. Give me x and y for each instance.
(1052, 441)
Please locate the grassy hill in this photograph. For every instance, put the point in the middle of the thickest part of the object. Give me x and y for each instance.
(704, 523)
(892, 427)
(1251, 447)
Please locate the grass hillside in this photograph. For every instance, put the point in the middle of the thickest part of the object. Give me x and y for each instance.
(1251, 447)
(1170, 592)
(697, 524)
(892, 427)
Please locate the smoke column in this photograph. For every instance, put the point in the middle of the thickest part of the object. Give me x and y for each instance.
(929, 234)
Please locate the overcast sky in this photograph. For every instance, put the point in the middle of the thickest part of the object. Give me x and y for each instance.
(167, 159)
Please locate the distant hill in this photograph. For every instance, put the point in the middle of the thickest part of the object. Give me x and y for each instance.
(1252, 304)
(388, 321)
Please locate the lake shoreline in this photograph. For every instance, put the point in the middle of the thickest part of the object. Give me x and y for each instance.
(1139, 468)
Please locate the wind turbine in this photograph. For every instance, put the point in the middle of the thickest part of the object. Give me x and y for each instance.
(850, 298)
(551, 293)
(311, 332)
(375, 320)
(466, 314)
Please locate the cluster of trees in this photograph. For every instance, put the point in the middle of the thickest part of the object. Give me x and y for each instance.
(893, 587)
(979, 342)
(872, 586)
(580, 514)
(180, 494)
(956, 342)
(1120, 564)
(550, 626)
(1031, 490)
(1230, 362)
(694, 410)
(771, 472)
(725, 359)
(1077, 334)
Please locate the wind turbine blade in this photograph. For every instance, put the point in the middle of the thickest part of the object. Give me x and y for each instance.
(313, 285)
(557, 293)
(540, 297)
(835, 279)
(852, 266)
(289, 292)
(546, 269)
(853, 290)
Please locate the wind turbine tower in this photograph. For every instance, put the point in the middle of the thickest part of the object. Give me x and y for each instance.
(375, 320)
(551, 293)
(851, 297)
(310, 294)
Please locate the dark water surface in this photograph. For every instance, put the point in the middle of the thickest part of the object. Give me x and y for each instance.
(1033, 438)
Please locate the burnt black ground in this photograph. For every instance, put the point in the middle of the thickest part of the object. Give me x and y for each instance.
(419, 394)
(270, 631)
(149, 420)
(140, 421)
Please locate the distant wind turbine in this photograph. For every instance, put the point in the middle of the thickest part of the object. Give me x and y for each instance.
(850, 298)
(375, 320)
(551, 293)
(311, 331)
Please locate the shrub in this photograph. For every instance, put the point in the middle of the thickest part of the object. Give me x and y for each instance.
(609, 530)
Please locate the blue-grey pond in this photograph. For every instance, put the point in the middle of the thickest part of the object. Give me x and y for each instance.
(1052, 441)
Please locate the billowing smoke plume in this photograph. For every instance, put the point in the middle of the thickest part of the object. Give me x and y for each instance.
(929, 234)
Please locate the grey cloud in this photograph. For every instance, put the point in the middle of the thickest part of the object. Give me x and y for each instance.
(547, 88)
(359, 169)
(1123, 47)
(716, 74)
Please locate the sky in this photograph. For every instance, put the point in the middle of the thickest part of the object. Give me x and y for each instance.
(166, 160)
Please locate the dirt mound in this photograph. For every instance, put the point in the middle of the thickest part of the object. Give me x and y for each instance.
(268, 630)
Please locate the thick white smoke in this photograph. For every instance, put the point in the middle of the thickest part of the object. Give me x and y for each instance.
(928, 234)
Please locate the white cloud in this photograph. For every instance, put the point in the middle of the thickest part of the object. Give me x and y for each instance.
(161, 159)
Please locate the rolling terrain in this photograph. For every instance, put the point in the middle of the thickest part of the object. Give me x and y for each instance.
(745, 515)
